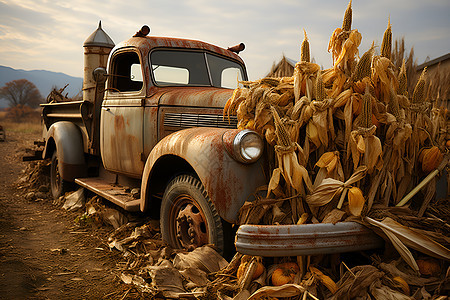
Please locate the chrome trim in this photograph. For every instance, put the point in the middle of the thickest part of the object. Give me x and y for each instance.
(183, 120)
(307, 239)
(238, 149)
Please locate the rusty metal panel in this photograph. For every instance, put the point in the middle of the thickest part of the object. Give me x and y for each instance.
(149, 42)
(196, 97)
(121, 136)
(228, 183)
(307, 239)
(150, 129)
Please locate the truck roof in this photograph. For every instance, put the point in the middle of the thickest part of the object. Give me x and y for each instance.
(147, 43)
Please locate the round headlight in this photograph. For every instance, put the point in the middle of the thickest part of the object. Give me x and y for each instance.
(248, 146)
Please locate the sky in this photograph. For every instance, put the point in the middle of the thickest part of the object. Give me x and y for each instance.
(49, 34)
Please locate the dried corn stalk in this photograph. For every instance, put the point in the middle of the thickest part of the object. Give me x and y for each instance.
(293, 173)
(363, 143)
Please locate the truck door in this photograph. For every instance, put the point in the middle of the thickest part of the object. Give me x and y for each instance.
(121, 134)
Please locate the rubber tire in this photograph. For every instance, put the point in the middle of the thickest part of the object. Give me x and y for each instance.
(189, 185)
(58, 186)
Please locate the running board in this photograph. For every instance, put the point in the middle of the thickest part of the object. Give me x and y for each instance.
(111, 192)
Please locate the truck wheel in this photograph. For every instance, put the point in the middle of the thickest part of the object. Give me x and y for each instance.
(58, 185)
(188, 217)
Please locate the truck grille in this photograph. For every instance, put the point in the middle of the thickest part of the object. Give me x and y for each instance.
(198, 120)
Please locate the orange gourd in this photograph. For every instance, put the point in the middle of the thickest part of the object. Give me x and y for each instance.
(285, 273)
(430, 158)
(243, 267)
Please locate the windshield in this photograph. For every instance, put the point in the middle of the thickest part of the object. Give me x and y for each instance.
(190, 68)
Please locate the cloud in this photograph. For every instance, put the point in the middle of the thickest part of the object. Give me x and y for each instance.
(43, 34)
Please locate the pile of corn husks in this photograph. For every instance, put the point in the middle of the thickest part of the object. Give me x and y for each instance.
(348, 143)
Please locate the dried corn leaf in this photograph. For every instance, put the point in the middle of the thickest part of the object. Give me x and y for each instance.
(329, 188)
(379, 291)
(355, 201)
(334, 216)
(364, 143)
(412, 238)
(325, 192)
(286, 290)
(410, 277)
(328, 160)
(312, 132)
(355, 282)
(202, 258)
(274, 181)
(342, 98)
(402, 249)
(330, 166)
(324, 279)
(349, 50)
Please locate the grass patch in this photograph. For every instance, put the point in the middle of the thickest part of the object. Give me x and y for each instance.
(33, 126)
(21, 120)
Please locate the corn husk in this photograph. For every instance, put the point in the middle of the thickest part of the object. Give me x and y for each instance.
(286, 290)
(330, 188)
(324, 279)
(401, 236)
(366, 148)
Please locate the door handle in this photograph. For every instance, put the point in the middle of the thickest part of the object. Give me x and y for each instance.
(106, 108)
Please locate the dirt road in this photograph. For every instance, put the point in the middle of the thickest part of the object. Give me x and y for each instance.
(43, 253)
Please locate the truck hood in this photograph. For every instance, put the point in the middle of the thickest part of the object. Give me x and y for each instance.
(195, 97)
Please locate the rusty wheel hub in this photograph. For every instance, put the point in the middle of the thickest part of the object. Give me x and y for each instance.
(191, 225)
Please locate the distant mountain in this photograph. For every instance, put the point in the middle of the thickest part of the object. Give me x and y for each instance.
(44, 81)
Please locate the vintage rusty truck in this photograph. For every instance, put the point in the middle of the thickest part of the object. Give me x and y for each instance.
(154, 121)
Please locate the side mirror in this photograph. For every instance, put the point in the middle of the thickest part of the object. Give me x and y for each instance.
(100, 75)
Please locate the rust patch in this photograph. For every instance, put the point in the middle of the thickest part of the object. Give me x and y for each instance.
(119, 123)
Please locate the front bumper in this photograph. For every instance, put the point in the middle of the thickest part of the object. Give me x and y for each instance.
(307, 239)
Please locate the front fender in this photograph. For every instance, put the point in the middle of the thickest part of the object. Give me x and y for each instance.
(228, 182)
(67, 139)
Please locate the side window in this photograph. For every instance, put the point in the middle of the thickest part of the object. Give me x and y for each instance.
(224, 73)
(230, 78)
(126, 73)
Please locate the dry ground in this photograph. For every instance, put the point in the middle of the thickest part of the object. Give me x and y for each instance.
(44, 254)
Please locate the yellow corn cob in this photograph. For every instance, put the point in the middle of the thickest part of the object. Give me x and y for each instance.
(419, 90)
(347, 24)
(386, 45)
(366, 113)
(394, 107)
(320, 88)
(304, 51)
(363, 68)
(284, 138)
(402, 80)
